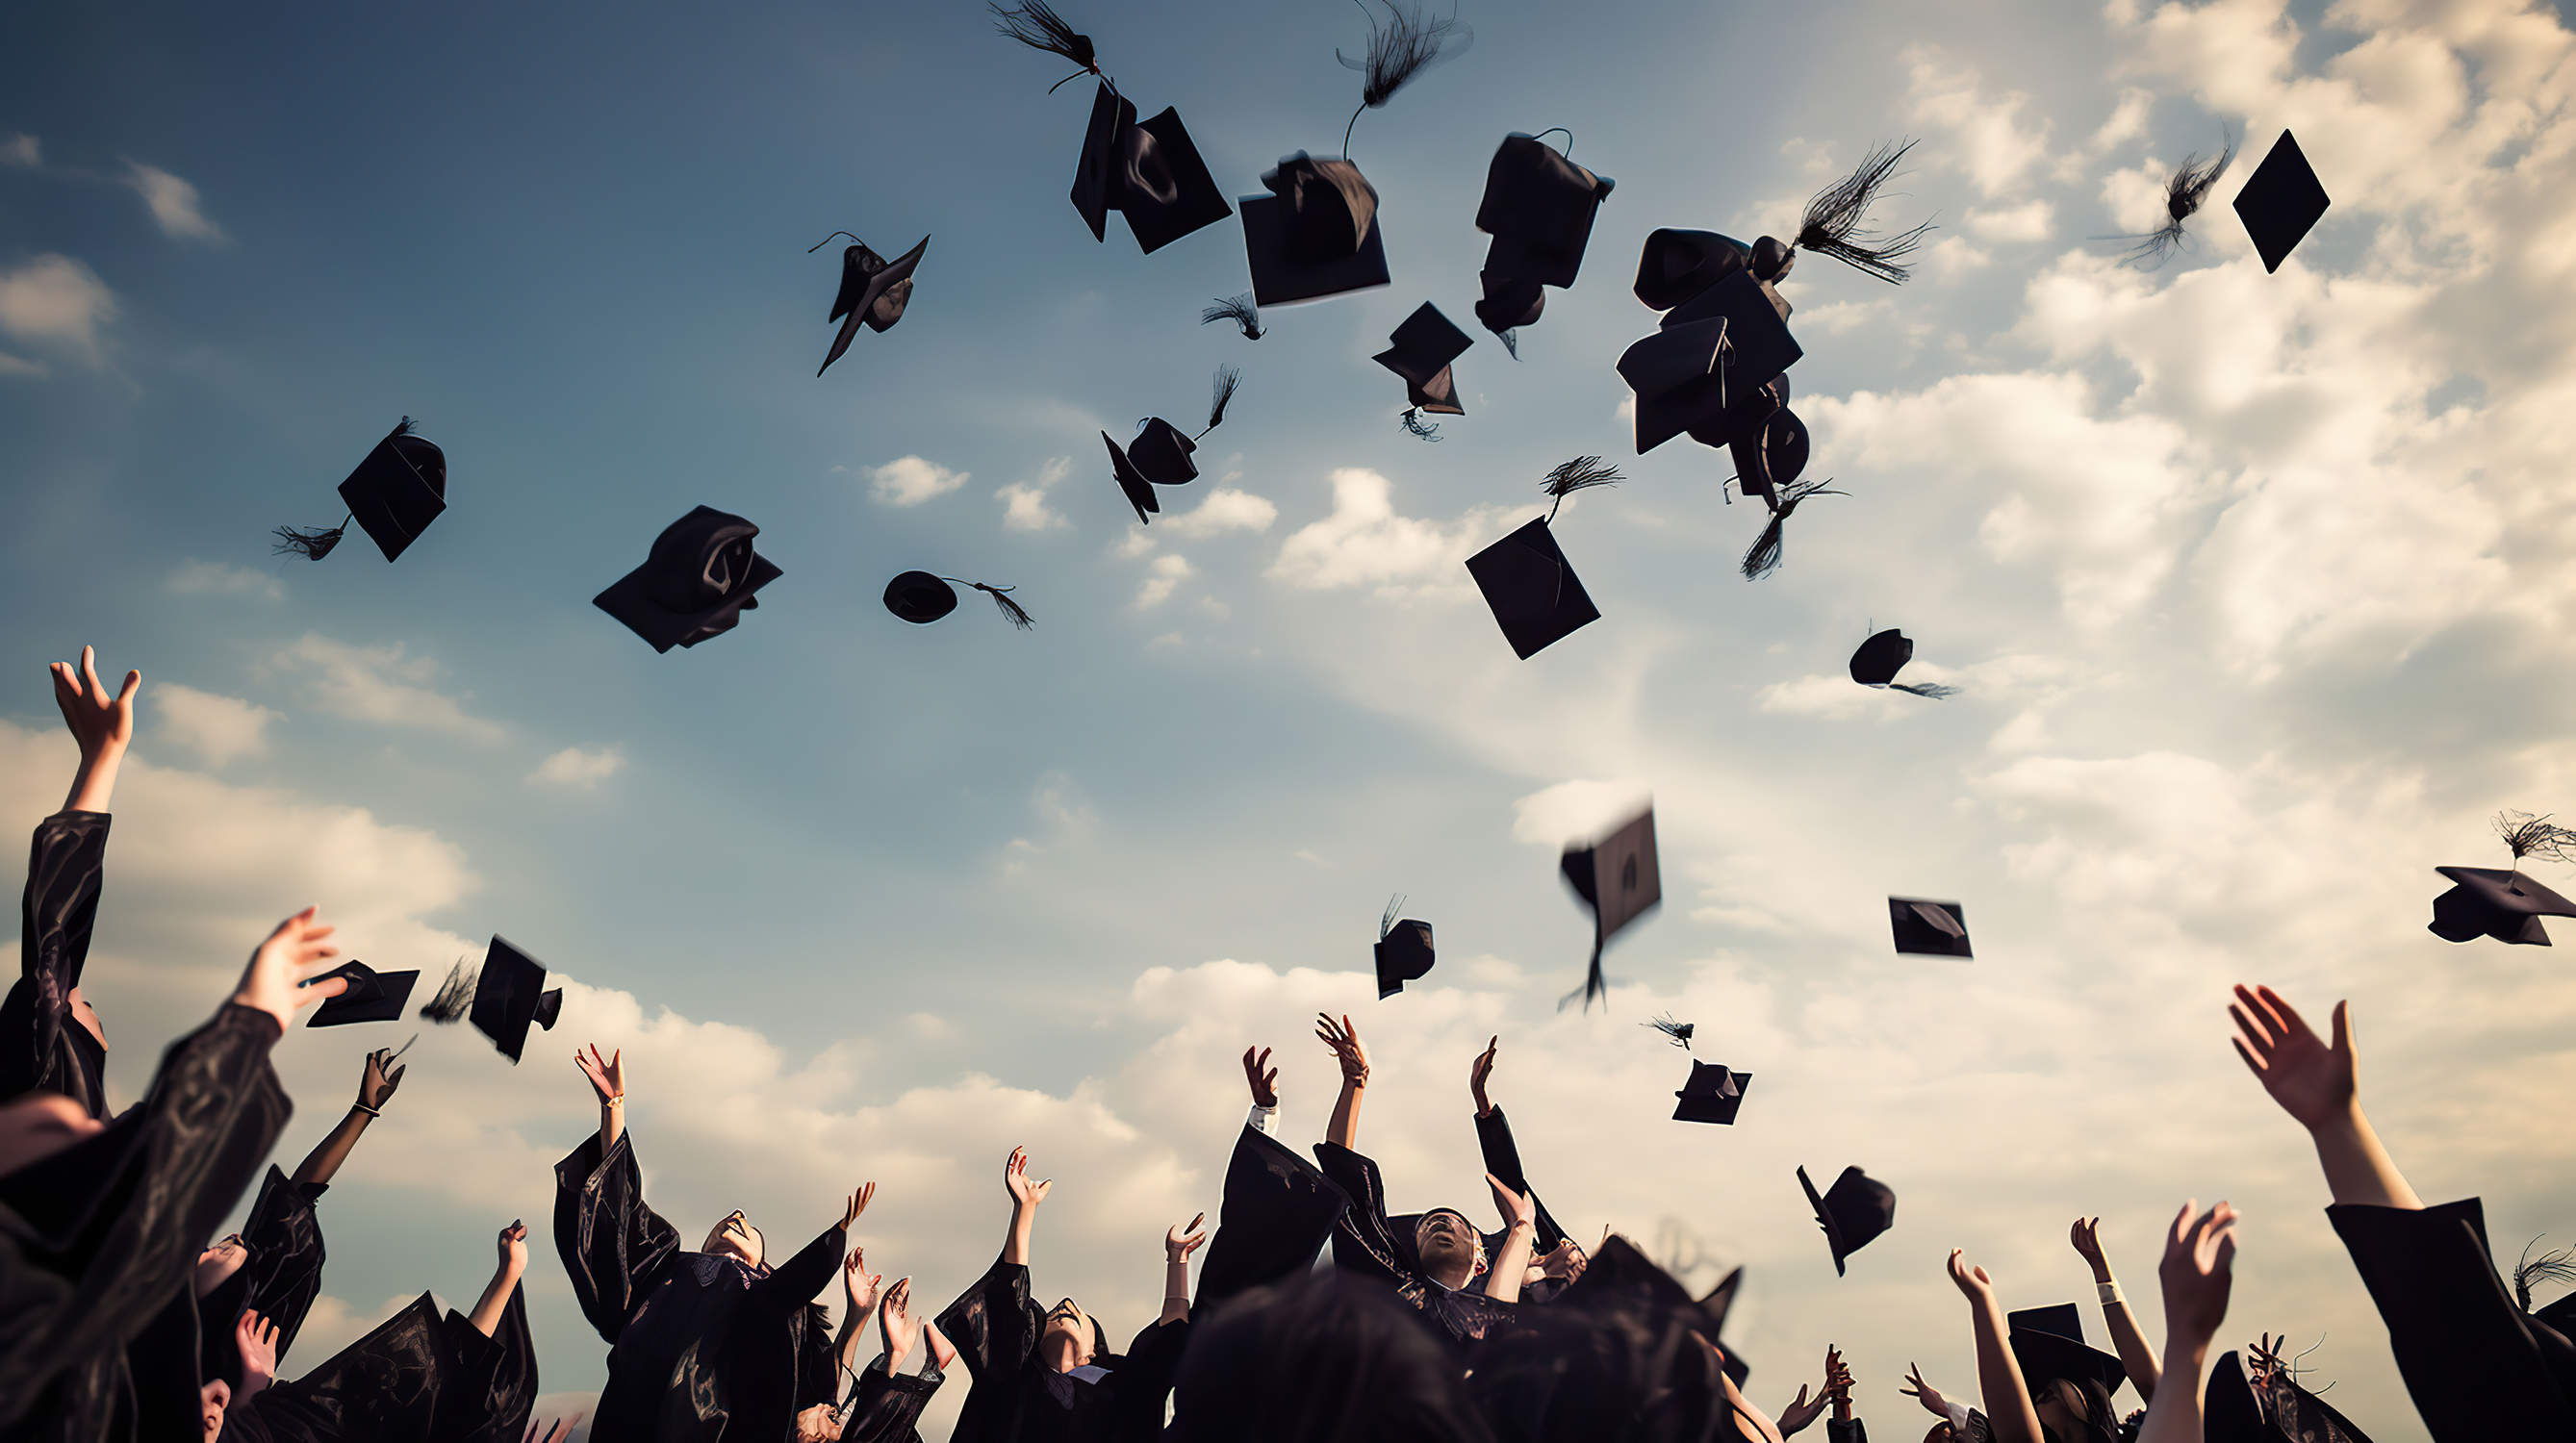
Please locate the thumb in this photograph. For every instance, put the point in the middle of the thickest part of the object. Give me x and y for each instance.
(2343, 1027)
(133, 682)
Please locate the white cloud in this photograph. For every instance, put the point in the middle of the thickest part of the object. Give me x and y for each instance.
(1988, 137)
(173, 203)
(1024, 502)
(582, 767)
(219, 729)
(1364, 543)
(214, 578)
(2032, 220)
(1572, 810)
(56, 300)
(910, 480)
(1225, 509)
(23, 151)
(1165, 573)
(379, 684)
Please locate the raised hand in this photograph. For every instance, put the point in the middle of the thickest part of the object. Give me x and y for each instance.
(894, 1323)
(862, 1285)
(273, 982)
(858, 1204)
(1566, 1260)
(1519, 1209)
(1798, 1412)
(2197, 1275)
(607, 1074)
(1026, 1192)
(2311, 1079)
(2085, 1234)
(1971, 1281)
(818, 1424)
(1262, 1077)
(1179, 1243)
(514, 1248)
(1838, 1378)
(1348, 1050)
(376, 1083)
(1481, 1069)
(257, 1338)
(1924, 1393)
(97, 721)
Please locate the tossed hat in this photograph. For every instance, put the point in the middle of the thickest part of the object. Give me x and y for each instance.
(2281, 202)
(1712, 1094)
(1404, 952)
(372, 996)
(1420, 351)
(1930, 929)
(1316, 233)
(1679, 376)
(1773, 456)
(701, 575)
(2049, 1343)
(1534, 594)
(1877, 661)
(1542, 202)
(1160, 454)
(1619, 880)
(1676, 265)
(1856, 1209)
(1164, 188)
(1096, 186)
(922, 598)
(874, 291)
(2507, 906)
(500, 994)
(398, 489)
(1132, 482)
(1758, 344)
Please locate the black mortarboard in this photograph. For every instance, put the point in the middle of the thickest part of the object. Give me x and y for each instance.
(1140, 492)
(1544, 204)
(1747, 413)
(501, 995)
(1712, 1094)
(1880, 658)
(1096, 172)
(1421, 351)
(1679, 376)
(1931, 929)
(397, 490)
(1619, 879)
(1535, 595)
(1161, 454)
(2504, 905)
(2049, 1343)
(1676, 265)
(372, 996)
(874, 292)
(919, 597)
(1315, 234)
(2282, 200)
(1854, 1210)
(697, 581)
(1404, 951)
(1164, 187)
(1509, 299)
(1758, 344)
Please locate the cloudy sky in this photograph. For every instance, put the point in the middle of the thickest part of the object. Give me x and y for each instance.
(2256, 587)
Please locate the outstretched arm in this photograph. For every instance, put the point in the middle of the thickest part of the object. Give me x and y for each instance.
(257, 1338)
(2126, 1336)
(376, 1084)
(864, 1288)
(2313, 1081)
(607, 1078)
(1520, 1214)
(2008, 1406)
(505, 1279)
(1352, 1054)
(1026, 1193)
(102, 725)
(2196, 1274)
(1178, 1244)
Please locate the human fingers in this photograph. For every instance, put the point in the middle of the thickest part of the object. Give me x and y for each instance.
(133, 684)
(2342, 1027)
(89, 674)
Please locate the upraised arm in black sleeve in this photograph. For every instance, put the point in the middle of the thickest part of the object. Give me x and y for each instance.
(1362, 1241)
(994, 1328)
(41, 1046)
(1503, 1160)
(1276, 1215)
(611, 1243)
(887, 1408)
(2476, 1367)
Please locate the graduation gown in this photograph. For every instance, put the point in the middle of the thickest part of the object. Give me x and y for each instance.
(2233, 1412)
(1503, 1160)
(2475, 1364)
(278, 1280)
(1277, 1213)
(701, 1348)
(1017, 1398)
(41, 1046)
(886, 1406)
(416, 1378)
(1365, 1242)
(97, 1241)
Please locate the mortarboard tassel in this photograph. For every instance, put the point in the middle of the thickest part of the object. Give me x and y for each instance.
(1679, 1032)
(1036, 25)
(1763, 557)
(1413, 422)
(2530, 836)
(1832, 225)
(1228, 381)
(2185, 192)
(455, 996)
(1409, 44)
(310, 542)
(2558, 1265)
(1594, 984)
(1386, 922)
(1019, 616)
(1240, 310)
(1580, 474)
(1930, 689)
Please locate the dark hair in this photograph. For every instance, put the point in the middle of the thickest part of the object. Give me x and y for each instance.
(2101, 1416)
(1324, 1356)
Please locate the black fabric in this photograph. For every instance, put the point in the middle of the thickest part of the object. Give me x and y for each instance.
(1017, 1398)
(1095, 171)
(1316, 233)
(97, 1240)
(41, 1046)
(695, 583)
(1676, 266)
(278, 1280)
(1277, 1213)
(1330, 1355)
(718, 1356)
(495, 1385)
(1503, 1160)
(1165, 190)
(2281, 202)
(1131, 482)
(1367, 1243)
(886, 1406)
(874, 292)
(1758, 344)
(397, 490)
(384, 1388)
(1535, 596)
(2475, 1365)
(1838, 1431)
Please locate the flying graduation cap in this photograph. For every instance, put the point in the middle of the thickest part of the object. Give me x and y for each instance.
(699, 578)
(1538, 207)
(1929, 929)
(1160, 454)
(500, 994)
(394, 494)
(1420, 351)
(1877, 661)
(2281, 202)
(1617, 878)
(371, 996)
(1527, 583)
(2507, 906)
(921, 598)
(1856, 1209)
(1404, 952)
(1150, 172)
(1316, 233)
(873, 291)
(1712, 1094)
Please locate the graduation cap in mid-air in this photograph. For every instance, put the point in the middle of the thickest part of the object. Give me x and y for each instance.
(1527, 583)
(1538, 206)
(873, 291)
(1712, 1094)
(2049, 1343)
(2505, 905)
(2281, 202)
(1160, 454)
(500, 994)
(921, 598)
(1856, 1209)
(1618, 879)
(1420, 351)
(371, 996)
(1151, 171)
(1877, 661)
(1678, 1033)
(397, 490)
(699, 578)
(1404, 952)
(1316, 233)
(1930, 929)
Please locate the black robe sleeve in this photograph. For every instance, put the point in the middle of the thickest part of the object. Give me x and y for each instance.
(887, 1408)
(41, 1046)
(495, 1385)
(611, 1243)
(789, 1289)
(1362, 1241)
(1838, 1431)
(994, 1327)
(279, 1280)
(1145, 1379)
(387, 1387)
(2474, 1364)
(96, 1240)
(1503, 1160)
(1277, 1213)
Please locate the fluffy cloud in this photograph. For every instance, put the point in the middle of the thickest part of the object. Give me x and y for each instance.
(1225, 509)
(1024, 502)
(56, 301)
(1162, 575)
(579, 767)
(1365, 543)
(218, 729)
(23, 151)
(214, 578)
(380, 684)
(910, 480)
(173, 203)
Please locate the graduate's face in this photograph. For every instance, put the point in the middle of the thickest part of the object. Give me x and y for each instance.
(219, 1262)
(36, 1127)
(736, 1238)
(1068, 1328)
(1443, 1241)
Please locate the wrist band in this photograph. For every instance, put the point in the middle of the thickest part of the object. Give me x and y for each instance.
(2110, 1292)
(369, 1111)
(618, 1101)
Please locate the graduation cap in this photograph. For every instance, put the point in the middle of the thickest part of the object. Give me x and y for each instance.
(1160, 454)
(2049, 1343)
(1618, 879)
(1758, 344)
(873, 291)
(1316, 233)
(1164, 188)
(1678, 1032)
(1676, 265)
(1854, 1210)
(1930, 929)
(1420, 351)
(1712, 1094)
(921, 598)
(2505, 905)
(1404, 950)
(1535, 596)
(372, 996)
(1679, 377)
(699, 578)
(1538, 206)
(1715, 1305)
(394, 494)
(501, 994)
(1877, 661)
(2281, 202)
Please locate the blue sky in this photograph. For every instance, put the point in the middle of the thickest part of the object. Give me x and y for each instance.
(2252, 584)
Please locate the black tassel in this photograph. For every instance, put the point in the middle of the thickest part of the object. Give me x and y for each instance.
(1386, 923)
(1019, 617)
(1240, 310)
(1408, 44)
(455, 995)
(1413, 422)
(2558, 1265)
(1036, 25)
(1580, 474)
(1833, 222)
(401, 428)
(1679, 1032)
(1228, 381)
(311, 542)
(2185, 192)
(2531, 836)
(827, 240)
(1931, 689)
(1594, 984)
(1763, 557)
